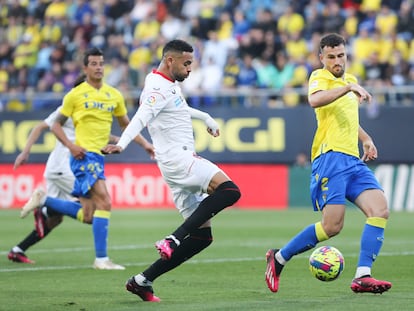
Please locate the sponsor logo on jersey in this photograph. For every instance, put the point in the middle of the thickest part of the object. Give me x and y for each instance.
(151, 100)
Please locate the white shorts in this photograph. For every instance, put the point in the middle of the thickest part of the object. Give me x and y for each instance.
(60, 186)
(188, 176)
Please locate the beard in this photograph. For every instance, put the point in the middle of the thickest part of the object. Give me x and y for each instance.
(338, 72)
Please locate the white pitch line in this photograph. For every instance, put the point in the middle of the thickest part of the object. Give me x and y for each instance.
(27, 267)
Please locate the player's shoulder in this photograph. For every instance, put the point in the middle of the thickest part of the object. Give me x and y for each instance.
(350, 78)
(320, 73)
(111, 90)
(156, 83)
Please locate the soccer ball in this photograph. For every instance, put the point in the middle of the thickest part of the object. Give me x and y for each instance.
(326, 263)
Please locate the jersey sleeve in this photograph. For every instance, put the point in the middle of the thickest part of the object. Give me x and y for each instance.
(67, 104)
(120, 109)
(51, 118)
(317, 82)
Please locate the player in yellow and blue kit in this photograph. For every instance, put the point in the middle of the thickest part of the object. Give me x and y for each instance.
(338, 174)
(92, 106)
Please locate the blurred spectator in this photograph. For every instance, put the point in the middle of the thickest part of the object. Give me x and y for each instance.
(333, 20)
(241, 25)
(351, 22)
(174, 27)
(296, 47)
(212, 74)
(253, 43)
(313, 19)
(15, 31)
(147, 29)
(376, 72)
(103, 28)
(230, 73)
(386, 21)
(290, 21)
(247, 81)
(57, 10)
(124, 26)
(363, 45)
(82, 8)
(42, 64)
(215, 51)
(250, 30)
(4, 78)
(405, 24)
(17, 10)
(115, 9)
(51, 30)
(283, 73)
(17, 100)
(192, 85)
(302, 160)
(141, 10)
(25, 53)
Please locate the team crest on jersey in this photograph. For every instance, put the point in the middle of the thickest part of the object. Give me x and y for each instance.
(313, 84)
(151, 100)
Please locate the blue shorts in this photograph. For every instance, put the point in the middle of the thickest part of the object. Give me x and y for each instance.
(87, 171)
(337, 177)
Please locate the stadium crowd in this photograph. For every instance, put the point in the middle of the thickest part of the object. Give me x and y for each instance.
(263, 46)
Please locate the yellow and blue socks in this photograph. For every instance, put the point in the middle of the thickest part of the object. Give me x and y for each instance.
(303, 241)
(100, 223)
(372, 239)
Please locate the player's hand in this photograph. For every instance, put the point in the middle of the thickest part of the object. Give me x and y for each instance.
(149, 148)
(363, 95)
(212, 127)
(77, 152)
(213, 132)
(110, 149)
(21, 159)
(370, 151)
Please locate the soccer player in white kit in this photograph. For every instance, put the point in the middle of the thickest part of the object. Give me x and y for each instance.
(59, 184)
(200, 188)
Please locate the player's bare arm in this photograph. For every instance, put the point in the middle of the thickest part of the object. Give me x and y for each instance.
(34, 135)
(76, 151)
(325, 97)
(139, 139)
(368, 146)
(362, 94)
(212, 126)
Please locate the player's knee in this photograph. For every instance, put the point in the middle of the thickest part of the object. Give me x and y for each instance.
(87, 219)
(382, 212)
(332, 229)
(203, 236)
(231, 191)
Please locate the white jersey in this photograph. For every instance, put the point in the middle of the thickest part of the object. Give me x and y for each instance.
(58, 161)
(164, 110)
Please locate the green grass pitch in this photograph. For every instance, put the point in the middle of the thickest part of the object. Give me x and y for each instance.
(229, 275)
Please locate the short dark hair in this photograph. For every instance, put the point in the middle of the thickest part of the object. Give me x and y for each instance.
(331, 40)
(177, 46)
(91, 52)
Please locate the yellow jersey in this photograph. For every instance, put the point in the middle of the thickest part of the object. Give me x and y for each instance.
(337, 122)
(92, 112)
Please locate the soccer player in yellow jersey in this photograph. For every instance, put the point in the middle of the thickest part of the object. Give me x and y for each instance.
(92, 106)
(338, 174)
